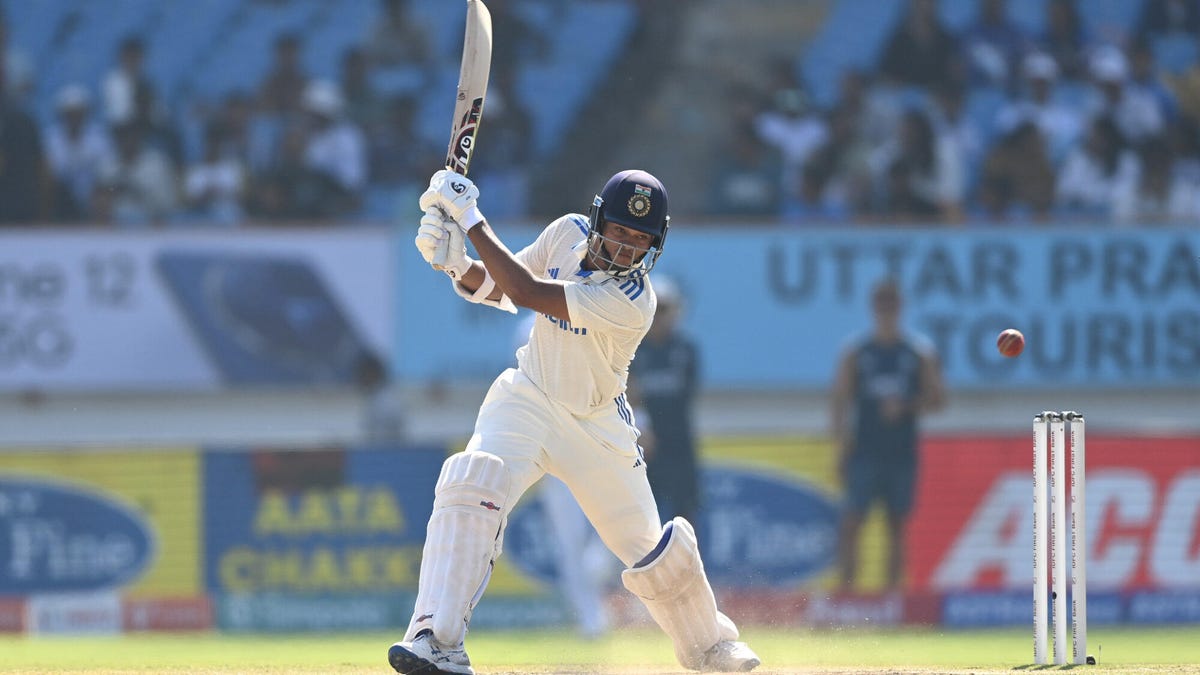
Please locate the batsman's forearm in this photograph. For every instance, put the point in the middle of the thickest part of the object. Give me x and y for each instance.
(511, 277)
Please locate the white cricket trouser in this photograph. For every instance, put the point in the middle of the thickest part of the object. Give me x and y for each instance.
(597, 457)
(576, 573)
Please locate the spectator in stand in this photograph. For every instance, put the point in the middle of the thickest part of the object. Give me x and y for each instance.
(875, 118)
(364, 106)
(236, 117)
(398, 155)
(796, 130)
(214, 186)
(957, 129)
(1059, 123)
(280, 92)
(818, 199)
(287, 190)
(25, 183)
(1147, 84)
(139, 187)
(1063, 39)
(1093, 170)
(921, 52)
(860, 122)
(504, 170)
(130, 98)
(396, 40)
(993, 46)
(746, 179)
(127, 84)
(16, 69)
(922, 173)
(1185, 90)
(1017, 179)
(1137, 114)
(335, 151)
(76, 148)
(1157, 193)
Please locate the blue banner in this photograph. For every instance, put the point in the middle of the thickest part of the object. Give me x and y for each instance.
(759, 530)
(62, 537)
(774, 308)
(317, 522)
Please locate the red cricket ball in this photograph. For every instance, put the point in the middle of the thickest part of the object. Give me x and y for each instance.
(1010, 342)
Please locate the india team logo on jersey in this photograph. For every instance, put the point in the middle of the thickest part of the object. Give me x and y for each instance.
(639, 203)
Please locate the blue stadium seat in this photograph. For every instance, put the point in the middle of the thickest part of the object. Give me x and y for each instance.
(1175, 53)
(241, 57)
(33, 25)
(853, 35)
(184, 35)
(560, 85)
(1028, 15)
(554, 90)
(1105, 20)
(339, 26)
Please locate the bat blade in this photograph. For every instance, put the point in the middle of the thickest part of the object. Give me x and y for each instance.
(472, 87)
(468, 101)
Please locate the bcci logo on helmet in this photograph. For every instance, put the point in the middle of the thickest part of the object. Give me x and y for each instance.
(639, 203)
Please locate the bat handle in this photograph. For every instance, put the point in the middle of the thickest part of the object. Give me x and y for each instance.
(439, 256)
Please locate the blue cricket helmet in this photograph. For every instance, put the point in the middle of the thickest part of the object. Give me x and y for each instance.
(638, 200)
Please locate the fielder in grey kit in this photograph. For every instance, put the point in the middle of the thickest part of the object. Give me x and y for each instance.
(562, 411)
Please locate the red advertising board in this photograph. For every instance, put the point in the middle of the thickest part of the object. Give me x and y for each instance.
(12, 615)
(972, 524)
(167, 614)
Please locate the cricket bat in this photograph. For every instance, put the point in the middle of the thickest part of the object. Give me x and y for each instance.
(472, 89)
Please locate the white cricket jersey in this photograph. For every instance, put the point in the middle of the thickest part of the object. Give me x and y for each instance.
(584, 363)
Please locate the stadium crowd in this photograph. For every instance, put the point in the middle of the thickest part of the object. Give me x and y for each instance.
(298, 148)
(989, 123)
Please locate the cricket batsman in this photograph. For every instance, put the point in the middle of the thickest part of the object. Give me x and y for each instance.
(561, 411)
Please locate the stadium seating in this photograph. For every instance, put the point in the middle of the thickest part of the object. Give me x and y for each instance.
(202, 50)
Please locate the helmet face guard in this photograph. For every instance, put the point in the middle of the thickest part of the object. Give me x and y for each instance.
(636, 200)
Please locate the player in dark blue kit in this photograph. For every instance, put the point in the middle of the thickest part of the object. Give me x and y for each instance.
(665, 376)
(885, 382)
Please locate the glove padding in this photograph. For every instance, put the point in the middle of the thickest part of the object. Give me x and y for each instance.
(456, 196)
(442, 245)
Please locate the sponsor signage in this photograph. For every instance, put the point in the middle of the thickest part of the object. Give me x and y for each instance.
(316, 522)
(1098, 307)
(759, 530)
(274, 612)
(75, 613)
(104, 518)
(12, 615)
(67, 538)
(973, 521)
(166, 614)
(87, 311)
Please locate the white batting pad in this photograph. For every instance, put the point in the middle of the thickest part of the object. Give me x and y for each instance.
(674, 588)
(469, 507)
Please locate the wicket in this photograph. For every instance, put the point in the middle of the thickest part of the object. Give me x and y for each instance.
(1052, 426)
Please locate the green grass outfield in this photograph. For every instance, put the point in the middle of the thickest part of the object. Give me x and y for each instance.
(896, 651)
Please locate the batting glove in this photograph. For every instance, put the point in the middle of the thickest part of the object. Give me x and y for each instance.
(442, 245)
(456, 196)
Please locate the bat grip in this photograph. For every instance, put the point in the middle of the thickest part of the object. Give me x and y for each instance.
(439, 256)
